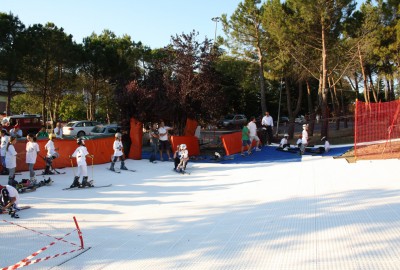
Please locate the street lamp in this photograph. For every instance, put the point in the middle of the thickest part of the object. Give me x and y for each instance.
(216, 20)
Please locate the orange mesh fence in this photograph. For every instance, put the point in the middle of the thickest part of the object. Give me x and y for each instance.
(101, 148)
(377, 130)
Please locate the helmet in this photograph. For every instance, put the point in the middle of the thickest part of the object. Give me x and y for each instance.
(183, 146)
(80, 141)
(286, 135)
(118, 135)
(4, 121)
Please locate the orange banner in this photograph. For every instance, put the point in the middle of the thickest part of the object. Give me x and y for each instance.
(136, 134)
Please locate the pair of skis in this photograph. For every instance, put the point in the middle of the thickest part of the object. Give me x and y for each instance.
(81, 188)
(119, 171)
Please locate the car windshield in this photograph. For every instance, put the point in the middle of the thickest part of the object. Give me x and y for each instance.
(98, 129)
(229, 117)
(70, 124)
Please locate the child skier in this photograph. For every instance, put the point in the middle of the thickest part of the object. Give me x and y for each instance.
(184, 154)
(4, 141)
(51, 154)
(118, 152)
(32, 150)
(80, 153)
(9, 199)
(11, 161)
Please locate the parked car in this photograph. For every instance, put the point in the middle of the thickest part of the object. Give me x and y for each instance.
(300, 119)
(105, 130)
(232, 121)
(28, 123)
(284, 119)
(79, 128)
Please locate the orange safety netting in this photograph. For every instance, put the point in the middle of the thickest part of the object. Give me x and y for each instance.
(190, 128)
(192, 144)
(376, 123)
(101, 148)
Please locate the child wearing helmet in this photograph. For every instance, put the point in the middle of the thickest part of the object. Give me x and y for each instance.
(284, 142)
(51, 154)
(184, 154)
(118, 152)
(80, 154)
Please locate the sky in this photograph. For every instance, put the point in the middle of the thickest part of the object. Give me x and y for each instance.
(152, 22)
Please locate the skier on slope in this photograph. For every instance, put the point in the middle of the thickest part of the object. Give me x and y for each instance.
(184, 155)
(51, 154)
(80, 154)
(9, 199)
(118, 152)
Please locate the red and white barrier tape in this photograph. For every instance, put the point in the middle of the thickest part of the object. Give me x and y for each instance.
(29, 229)
(16, 266)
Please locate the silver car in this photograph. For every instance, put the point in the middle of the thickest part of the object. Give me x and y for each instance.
(105, 130)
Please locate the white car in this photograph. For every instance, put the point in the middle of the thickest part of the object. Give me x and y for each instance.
(105, 130)
(79, 128)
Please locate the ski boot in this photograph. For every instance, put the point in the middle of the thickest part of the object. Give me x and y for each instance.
(11, 181)
(123, 167)
(47, 171)
(33, 181)
(13, 213)
(86, 183)
(112, 166)
(48, 181)
(76, 182)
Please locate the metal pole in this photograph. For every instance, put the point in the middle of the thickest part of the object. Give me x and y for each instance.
(216, 20)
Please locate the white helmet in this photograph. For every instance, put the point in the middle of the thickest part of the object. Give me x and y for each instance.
(286, 135)
(183, 146)
(118, 135)
(4, 121)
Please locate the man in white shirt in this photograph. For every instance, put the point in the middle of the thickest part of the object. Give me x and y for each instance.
(253, 132)
(304, 139)
(163, 139)
(268, 124)
(58, 131)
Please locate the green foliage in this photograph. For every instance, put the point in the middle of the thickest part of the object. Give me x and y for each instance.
(27, 103)
(72, 107)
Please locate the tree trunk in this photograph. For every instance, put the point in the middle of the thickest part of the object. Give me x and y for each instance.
(324, 88)
(366, 90)
(262, 81)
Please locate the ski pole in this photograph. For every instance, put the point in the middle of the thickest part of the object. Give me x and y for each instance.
(72, 166)
(92, 156)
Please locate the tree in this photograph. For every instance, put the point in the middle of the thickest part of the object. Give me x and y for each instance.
(247, 39)
(310, 33)
(51, 65)
(12, 51)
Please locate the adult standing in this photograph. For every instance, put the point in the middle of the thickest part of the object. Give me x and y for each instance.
(268, 124)
(253, 132)
(16, 132)
(304, 139)
(58, 131)
(154, 137)
(126, 143)
(163, 137)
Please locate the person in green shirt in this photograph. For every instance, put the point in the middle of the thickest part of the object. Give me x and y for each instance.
(42, 134)
(245, 140)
